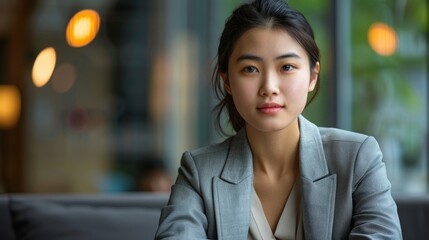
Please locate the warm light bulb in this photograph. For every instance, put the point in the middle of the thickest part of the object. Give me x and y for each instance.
(10, 106)
(44, 66)
(382, 39)
(82, 28)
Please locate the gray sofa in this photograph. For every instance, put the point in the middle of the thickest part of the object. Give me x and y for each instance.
(129, 216)
(414, 216)
(84, 217)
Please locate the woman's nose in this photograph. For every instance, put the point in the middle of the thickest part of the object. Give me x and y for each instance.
(269, 85)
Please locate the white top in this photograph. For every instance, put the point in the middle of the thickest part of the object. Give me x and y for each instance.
(290, 222)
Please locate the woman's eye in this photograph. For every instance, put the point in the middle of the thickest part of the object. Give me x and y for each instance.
(287, 68)
(250, 69)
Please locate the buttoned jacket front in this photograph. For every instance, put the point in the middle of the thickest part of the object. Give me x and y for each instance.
(346, 193)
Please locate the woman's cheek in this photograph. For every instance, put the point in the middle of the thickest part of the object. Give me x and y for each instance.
(296, 90)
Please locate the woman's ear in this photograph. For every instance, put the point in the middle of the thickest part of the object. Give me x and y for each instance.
(226, 85)
(314, 77)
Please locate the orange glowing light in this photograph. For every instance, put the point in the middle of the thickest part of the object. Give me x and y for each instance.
(44, 66)
(382, 39)
(10, 106)
(82, 28)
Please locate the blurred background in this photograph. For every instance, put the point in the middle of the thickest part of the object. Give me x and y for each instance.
(104, 96)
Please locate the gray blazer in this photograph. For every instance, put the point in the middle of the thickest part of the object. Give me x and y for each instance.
(346, 193)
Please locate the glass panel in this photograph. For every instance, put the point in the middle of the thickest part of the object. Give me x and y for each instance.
(389, 86)
(138, 95)
(317, 13)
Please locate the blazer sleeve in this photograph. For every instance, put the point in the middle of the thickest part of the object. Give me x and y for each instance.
(184, 217)
(375, 213)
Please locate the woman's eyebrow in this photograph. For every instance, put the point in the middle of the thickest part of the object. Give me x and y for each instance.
(248, 57)
(257, 58)
(288, 55)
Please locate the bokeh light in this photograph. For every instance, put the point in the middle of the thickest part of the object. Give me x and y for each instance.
(10, 106)
(44, 66)
(382, 39)
(78, 119)
(64, 77)
(82, 28)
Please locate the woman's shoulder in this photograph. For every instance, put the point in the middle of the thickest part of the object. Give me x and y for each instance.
(209, 160)
(209, 151)
(340, 142)
(328, 135)
(340, 135)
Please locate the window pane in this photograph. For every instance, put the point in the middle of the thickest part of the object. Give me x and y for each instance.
(389, 85)
(317, 14)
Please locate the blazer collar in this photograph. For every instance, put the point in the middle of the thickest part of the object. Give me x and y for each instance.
(233, 189)
(318, 185)
(238, 165)
(312, 157)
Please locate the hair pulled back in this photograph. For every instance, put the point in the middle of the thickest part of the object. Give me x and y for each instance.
(275, 14)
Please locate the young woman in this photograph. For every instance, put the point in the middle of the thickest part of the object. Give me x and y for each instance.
(280, 176)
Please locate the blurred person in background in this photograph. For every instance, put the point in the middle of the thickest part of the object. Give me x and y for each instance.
(153, 177)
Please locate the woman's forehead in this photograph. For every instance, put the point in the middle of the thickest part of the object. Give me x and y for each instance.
(267, 43)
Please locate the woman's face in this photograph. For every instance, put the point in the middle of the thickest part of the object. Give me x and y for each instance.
(269, 78)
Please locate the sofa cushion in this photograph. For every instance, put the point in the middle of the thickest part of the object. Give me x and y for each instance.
(41, 219)
(6, 231)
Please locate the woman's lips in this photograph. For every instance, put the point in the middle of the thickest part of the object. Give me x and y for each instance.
(270, 108)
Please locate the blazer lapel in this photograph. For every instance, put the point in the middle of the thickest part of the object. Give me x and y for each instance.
(318, 185)
(232, 191)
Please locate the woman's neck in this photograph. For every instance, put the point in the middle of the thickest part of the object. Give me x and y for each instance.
(275, 154)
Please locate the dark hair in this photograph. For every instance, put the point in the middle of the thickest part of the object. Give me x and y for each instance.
(259, 13)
